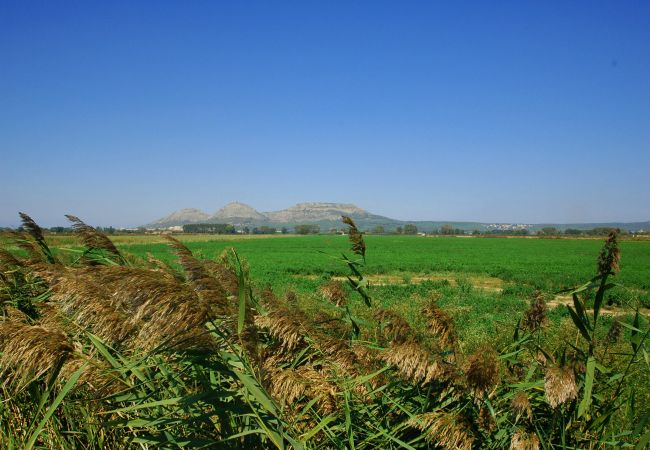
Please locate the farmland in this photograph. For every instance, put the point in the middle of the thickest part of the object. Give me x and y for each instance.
(482, 280)
(322, 341)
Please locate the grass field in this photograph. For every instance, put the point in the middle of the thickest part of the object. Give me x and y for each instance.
(449, 342)
(484, 283)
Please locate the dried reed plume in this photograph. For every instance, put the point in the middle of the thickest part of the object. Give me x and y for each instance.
(34, 256)
(285, 326)
(9, 261)
(334, 291)
(535, 316)
(395, 328)
(291, 385)
(207, 286)
(93, 239)
(27, 352)
(560, 385)
(37, 234)
(414, 363)
(124, 305)
(521, 405)
(447, 430)
(83, 295)
(522, 440)
(614, 332)
(291, 297)
(485, 419)
(224, 274)
(355, 236)
(97, 376)
(610, 255)
(439, 323)
(482, 371)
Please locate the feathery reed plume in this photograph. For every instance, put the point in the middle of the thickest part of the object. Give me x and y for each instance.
(447, 430)
(286, 385)
(9, 261)
(163, 267)
(560, 385)
(33, 254)
(177, 318)
(27, 352)
(334, 291)
(37, 234)
(97, 377)
(395, 328)
(535, 316)
(291, 385)
(337, 352)
(482, 371)
(520, 405)
(206, 285)
(291, 297)
(439, 323)
(93, 239)
(123, 304)
(355, 236)
(614, 332)
(522, 440)
(285, 326)
(194, 268)
(267, 296)
(9, 313)
(224, 274)
(485, 419)
(414, 363)
(610, 255)
(83, 294)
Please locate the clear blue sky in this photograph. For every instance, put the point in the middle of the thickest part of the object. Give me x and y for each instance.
(121, 112)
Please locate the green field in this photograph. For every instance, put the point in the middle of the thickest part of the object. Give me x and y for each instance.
(456, 342)
(485, 283)
(543, 263)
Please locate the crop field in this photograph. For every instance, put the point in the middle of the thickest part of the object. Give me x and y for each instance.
(482, 281)
(323, 341)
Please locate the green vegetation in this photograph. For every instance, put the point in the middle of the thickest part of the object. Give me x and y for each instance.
(404, 342)
(212, 228)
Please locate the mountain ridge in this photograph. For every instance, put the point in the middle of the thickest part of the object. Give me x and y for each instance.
(328, 215)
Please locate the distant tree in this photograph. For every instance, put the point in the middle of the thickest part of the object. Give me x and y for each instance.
(378, 230)
(572, 232)
(307, 229)
(600, 231)
(246, 230)
(476, 233)
(446, 229)
(399, 230)
(284, 230)
(265, 230)
(548, 231)
(209, 228)
(409, 228)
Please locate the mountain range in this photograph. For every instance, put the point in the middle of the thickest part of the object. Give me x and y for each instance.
(328, 215)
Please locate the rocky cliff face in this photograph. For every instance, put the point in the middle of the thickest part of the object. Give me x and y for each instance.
(314, 212)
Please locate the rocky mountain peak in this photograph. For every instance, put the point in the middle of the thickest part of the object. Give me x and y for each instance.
(238, 210)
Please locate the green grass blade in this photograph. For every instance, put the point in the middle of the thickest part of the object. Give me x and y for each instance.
(55, 404)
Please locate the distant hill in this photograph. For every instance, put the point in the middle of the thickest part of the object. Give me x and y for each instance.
(180, 217)
(328, 216)
(235, 212)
